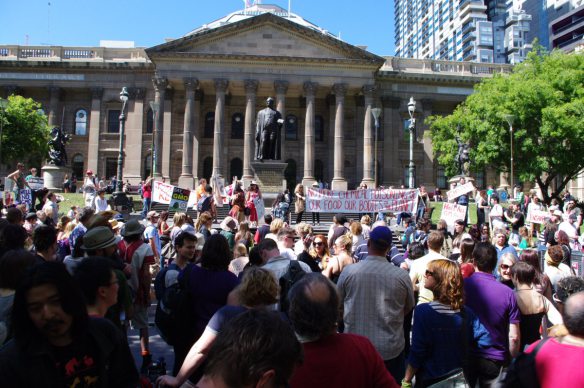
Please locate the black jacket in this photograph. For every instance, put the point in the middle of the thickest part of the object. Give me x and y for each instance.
(33, 366)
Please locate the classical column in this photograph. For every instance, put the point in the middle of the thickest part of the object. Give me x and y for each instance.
(54, 93)
(339, 182)
(281, 88)
(186, 177)
(93, 135)
(368, 137)
(160, 85)
(196, 133)
(310, 92)
(220, 89)
(251, 88)
(167, 133)
(134, 129)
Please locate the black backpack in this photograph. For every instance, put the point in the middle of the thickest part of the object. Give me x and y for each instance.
(293, 274)
(522, 371)
(174, 310)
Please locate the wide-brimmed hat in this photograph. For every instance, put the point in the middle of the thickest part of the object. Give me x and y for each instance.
(115, 225)
(132, 228)
(98, 238)
(228, 224)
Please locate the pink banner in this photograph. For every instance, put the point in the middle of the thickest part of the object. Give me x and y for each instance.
(361, 201)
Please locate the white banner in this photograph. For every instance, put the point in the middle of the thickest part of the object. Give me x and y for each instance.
(260, 209)
(538, 216)
(452, 212)
(218, 185)
(361, 201)
(459, 190)
(161, 192)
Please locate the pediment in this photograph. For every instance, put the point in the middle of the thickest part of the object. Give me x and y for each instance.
(264, 36)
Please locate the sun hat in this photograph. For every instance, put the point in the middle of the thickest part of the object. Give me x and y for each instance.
(228, 224)
(98, 238)
(132, 228)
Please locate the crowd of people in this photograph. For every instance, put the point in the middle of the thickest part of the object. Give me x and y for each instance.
(275, 305)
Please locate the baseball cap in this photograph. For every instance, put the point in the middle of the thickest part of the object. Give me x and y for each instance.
(381, 233)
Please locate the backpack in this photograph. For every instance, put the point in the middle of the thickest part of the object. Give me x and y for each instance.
(174, 308)
(521, 372)
(293, 274)
(204, 204)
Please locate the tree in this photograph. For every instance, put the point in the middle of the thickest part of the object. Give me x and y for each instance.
(546, 96)
(25, 131)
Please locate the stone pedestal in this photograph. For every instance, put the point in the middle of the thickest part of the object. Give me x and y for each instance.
(270, 177)
(54, 176)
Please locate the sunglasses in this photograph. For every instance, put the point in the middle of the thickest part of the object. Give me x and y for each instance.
(429, 273)
(317, 243)
(505, 266)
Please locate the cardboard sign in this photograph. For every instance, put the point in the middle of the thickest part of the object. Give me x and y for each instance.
(218, 185)
(25, 197)
(36, 183)
(452, 212)
(260, 208)
(460, 190)
(538, 216)
(179, 199)
(361, 201)
(161, 192)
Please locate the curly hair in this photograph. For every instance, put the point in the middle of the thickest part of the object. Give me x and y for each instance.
(258, 288)
(448, 288)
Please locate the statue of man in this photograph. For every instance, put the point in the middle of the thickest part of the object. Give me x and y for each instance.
(268, 126)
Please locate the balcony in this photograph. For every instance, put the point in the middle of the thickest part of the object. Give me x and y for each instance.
(72, 54)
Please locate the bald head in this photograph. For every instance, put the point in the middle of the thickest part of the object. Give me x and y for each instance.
(314, 307)
(574, 314)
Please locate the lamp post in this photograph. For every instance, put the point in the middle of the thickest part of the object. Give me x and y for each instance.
(412, 128)
(3, 106)
(510, 119)
(124, 98)
(155, 106)
(376, 112)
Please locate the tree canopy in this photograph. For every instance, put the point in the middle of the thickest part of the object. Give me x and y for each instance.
(25, 132)
(545, 94)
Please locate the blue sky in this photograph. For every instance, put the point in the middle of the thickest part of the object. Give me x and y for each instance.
(148, 22)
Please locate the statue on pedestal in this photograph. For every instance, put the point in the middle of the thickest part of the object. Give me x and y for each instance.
(463, 157)
(57, 152)
(269, 123)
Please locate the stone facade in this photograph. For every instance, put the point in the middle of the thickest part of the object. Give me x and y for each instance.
(209, 86)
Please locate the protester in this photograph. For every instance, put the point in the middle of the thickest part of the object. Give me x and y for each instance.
(83, 218)
(240, 259)
(285, 242)
(44, 239)
(99, 285)
(341, 259)
(300, 204)
(228, 228)
(204, 225)
(263, 230)
(553, 266)
(418, 270)
(146, 196)
(152, 238)
(273, 261)
(504, 268)
(244, 236)
(320, 251)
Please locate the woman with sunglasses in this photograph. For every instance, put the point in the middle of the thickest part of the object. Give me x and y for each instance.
(320, 250)
(506, 262)
(437, 351)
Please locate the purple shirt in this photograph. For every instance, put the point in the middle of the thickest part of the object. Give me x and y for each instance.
(495, 305)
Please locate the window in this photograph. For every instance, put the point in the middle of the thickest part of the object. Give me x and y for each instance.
(77, 166)
(441, 180)
(113, 121)
(318, 128)
(209, 125)
(236, 168)
(291, 127)
(290, 174)
(237, 126)
(149, 121)
(147, 166)
(207, 168)
(81, 122)
(318, 170)
(111, 167)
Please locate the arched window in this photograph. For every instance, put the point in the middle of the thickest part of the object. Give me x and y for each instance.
(147, 166)
(77, 166)
(209, 125)
(207, 168)
(290, 174)
(235, 168)
(318, 170)
(318, 128)
(81, 122)
(237, 126)
(291, 127)
(149, 121)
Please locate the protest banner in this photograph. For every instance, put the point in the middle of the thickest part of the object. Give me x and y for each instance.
(161, 192)
(452, 212)
(260, 208)
(218, 185)
(459, 190)
(538, 216)
(179, 199)
(361, 201)
(26, 197)
(36, 183)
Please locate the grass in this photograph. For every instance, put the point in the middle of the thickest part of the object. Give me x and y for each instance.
(76, 199)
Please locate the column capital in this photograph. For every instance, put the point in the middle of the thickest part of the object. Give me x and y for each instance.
(339, 90)
(281, 86)
(368, 90)
(251, 86)
(96, 93)
(160, 83)
(221, 84)
(191, 84)
(310, 88)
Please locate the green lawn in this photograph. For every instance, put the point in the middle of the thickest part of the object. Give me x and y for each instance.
(76, 199)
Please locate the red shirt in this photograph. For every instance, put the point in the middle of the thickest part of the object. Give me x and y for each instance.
(559, 365)
(147, 191)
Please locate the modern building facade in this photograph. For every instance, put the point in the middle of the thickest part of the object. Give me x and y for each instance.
(567, 31)
(207, 87)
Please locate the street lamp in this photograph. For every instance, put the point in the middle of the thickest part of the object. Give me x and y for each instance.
(412, 128)
(510, 119)
(3, 106)
(376, 112)
(155, 106)
(124, 98)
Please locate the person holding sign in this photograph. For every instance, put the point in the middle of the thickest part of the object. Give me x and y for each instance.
(18, 178)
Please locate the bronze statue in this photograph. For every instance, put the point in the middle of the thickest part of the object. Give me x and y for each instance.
(269, 123)
(57, 152)
(462, 157)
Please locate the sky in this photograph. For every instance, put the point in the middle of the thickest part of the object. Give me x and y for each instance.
(149, 22)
